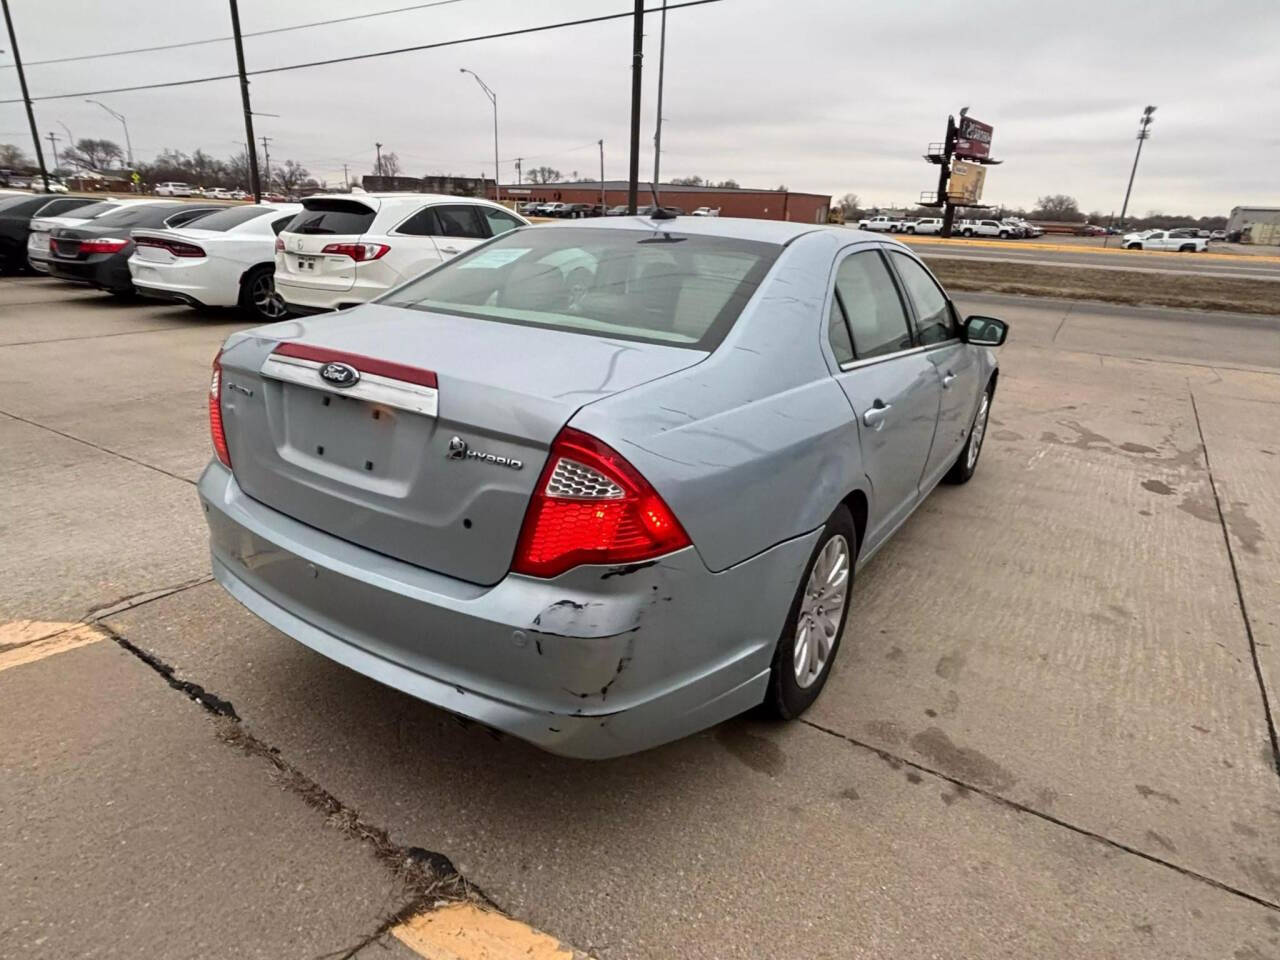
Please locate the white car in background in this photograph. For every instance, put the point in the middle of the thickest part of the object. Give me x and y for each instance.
(925, 225)
(42, 227)
(223, 259)
(707, 212)
(984, 228)
(1162, 240)
(344, 249)
(173, 188)
(881, 224)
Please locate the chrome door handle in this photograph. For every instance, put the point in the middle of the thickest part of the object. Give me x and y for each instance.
(448, 249)
(874, 417)
(947, 380)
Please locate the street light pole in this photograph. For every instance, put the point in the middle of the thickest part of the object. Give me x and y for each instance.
(637, 66)
(26, 96)
(127, 144)
(1143, 134)
(493, 98)
(662, 61)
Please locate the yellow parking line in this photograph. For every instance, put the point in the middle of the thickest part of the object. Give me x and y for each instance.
(1243, 259)
(26, 641)
(463, 931)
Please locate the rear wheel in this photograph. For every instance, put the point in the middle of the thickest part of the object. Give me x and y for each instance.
(967, 462)
(911, 229)
(967, 233)
(258, 296)
(811, 635)
(1187, 248)
(1004, 234)
(893, 229)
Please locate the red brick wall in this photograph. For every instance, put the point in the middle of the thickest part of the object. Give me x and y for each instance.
(765, 204)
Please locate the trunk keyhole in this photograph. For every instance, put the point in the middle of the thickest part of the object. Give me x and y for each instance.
(466, 522)
(320, 451)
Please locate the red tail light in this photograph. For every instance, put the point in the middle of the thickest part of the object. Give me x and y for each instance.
(178, 248)
(103, 245)
(358, 251)
(218, 435)
(279, 244)
(591, 506)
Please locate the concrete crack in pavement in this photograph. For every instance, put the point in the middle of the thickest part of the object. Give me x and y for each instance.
(1244, 612)
(101, 449)
(428, 877)
(991, 795)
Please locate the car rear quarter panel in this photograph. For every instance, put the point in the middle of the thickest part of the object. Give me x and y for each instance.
(756, 444)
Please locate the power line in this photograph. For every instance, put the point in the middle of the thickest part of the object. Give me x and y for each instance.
(255, 33)
(362, 56)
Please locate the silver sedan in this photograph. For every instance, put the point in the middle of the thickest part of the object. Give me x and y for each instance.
(597, 485)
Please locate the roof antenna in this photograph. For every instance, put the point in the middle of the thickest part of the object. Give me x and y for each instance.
(659, 212)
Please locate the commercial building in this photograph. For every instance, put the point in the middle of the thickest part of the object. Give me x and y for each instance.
(1255, 224)
(731, 201)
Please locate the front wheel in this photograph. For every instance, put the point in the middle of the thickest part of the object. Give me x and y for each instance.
(1004, 234)
(966, 233)
(811, 635)
(1134, 246)
(911, 229)
(1187, 248)
(963, 469)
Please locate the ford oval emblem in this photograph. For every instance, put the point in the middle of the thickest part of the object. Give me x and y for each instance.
(340, 374)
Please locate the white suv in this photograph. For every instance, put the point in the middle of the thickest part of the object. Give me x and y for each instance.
(172, 188)
(984, 228)
(925, 225)
(345, 249)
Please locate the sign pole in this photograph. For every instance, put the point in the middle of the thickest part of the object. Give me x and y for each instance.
(948, 209)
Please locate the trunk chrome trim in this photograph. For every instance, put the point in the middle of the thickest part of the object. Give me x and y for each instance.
(413, 397)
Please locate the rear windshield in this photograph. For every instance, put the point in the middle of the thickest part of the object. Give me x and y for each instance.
(226, 219)
(648, 285)
(332, 217)
(96, 209)
(135, 213)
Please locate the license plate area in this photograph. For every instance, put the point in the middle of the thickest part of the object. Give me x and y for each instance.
(348, 434)
(306, 263)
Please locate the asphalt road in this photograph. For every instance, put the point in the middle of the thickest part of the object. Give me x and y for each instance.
(1047, 734)
(1047, 252)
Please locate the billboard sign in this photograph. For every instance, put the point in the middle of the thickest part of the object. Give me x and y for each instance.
(973, 138)
(967, 180)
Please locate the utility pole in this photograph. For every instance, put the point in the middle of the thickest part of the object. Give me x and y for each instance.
(603, 205)
(53, 143)
(519, 172)
(26, 96)
(346, 181)
(266, 161)
(637, 62)
(255, 184)
(378, 165)
(1143, 134)
(662, 62)
(944, 174)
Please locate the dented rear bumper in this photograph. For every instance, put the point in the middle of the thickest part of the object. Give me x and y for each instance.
(599, 662)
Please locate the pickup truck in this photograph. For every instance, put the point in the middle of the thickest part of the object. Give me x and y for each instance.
(925, 225)
(707, 212)
(983, 228)
(881, 224)
(1164, 240)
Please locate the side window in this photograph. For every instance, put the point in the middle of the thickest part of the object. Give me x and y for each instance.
(499, 221)
(934, 319)
(838, 333)
(459, 220)
(421, 224)
(278, 225)
(876, 315)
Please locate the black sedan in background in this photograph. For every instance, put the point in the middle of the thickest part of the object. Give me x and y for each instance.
(16, 213)
(98, 253)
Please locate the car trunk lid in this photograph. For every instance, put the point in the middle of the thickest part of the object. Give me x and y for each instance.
(432, 454)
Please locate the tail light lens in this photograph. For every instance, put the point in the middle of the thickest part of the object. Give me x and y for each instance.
(103, 245)
(218, 435)
(279, 244)
(592, 506)
(178, 248)
(358, 251)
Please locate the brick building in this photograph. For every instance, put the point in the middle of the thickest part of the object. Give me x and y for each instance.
(735, 202)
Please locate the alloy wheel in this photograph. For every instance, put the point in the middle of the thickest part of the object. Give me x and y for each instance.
(266, 301)
(821, 611)
(978, 431)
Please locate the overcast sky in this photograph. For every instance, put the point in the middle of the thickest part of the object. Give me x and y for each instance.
(828, 96)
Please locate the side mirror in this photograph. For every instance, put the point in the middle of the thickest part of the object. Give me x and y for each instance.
(985, 331)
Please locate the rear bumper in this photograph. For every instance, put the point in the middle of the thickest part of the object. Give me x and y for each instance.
(196, 283)
(104, 273)
(305, 299)
(596, 663)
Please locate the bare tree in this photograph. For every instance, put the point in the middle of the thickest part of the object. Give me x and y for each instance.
(545, 175)
(849, 204)
(93, 154)
(291, 173)
(730, 184)
(1057, 206)
(12, 156)
(389, 166)
(694, 181)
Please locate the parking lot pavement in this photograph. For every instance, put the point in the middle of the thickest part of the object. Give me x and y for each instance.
(1046, 733)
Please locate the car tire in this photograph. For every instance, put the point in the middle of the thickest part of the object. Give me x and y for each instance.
(1134, 246)
(967, 463)
(966, 233)
(1187, 248)
(1004, 234)
(911, 229)
(258, 297)
(792, 690)
(893, 229)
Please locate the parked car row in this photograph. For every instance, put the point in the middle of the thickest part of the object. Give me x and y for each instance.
(1006, 229)
(577, 211)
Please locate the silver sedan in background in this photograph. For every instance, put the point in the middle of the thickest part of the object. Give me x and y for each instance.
(598, 485)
